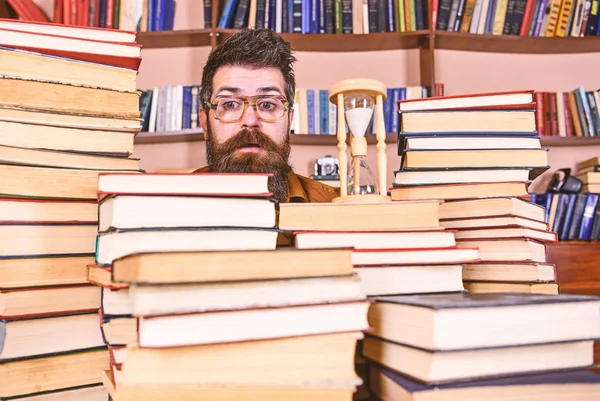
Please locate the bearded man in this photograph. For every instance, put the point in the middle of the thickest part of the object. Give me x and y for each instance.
(246, 112)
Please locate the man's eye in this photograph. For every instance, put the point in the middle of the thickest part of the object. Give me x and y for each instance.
(267, 106)
(230, 105)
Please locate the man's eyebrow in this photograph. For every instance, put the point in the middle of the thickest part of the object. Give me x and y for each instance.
(231, 89)
(235, 90)
(269, 89)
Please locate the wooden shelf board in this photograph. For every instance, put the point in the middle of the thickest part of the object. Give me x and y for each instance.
(195, 135)
(557, 141)
(515, 44)
(172, 39)
(324, 42)
(189, 135)
(331, 140)
(386, 41)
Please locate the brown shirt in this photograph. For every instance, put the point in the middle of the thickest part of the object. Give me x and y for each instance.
(302, 189)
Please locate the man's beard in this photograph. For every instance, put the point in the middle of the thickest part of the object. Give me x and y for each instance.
(273, 158)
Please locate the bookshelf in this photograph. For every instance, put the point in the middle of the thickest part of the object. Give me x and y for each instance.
(388, 41)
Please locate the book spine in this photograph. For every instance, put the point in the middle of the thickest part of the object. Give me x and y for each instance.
(186, 108)
(577, 217)
(372, 16)
(347, 16)
(207, 13)
(444, 14)
(590, 29)
(297, 15)
(587, 221)
(310, 106)
(241, 14)
(328, 7)
(324, 111)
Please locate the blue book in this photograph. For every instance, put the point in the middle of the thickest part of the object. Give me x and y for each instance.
(394, 118)
(563, 234)
(227, 16)
(186, 113)
(587, 221)
(306, 14)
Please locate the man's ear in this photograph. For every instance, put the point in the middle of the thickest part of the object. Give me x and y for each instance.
(203, 116)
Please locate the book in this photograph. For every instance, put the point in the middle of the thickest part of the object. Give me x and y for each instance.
(122, 212)
(510, 319)
(435, 367)
(468, 100)
(185, 184)
(45, 301)
(75, 31)
(239, 326)
(44, 336)
(59, 372)
(389, 386)
(359, 217)
(230, 266)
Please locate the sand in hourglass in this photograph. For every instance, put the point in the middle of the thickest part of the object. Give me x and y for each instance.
(358, 120)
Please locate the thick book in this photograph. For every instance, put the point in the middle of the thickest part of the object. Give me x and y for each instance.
(388, 385)
(112, 245)
(486, 320)
(221, 266)
(468, 100)
(470, 190)
(46, 67)
(54, 373)
(124, 55)
(205, 184)
(45, 301)
(74, 31)
(142, 211)
(468, 120)
(359, 217)
(25, 338)
(464, 365)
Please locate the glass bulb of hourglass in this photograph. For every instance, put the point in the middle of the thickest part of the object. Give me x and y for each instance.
(359, 110)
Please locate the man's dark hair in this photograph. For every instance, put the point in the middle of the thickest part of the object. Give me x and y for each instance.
(253, 48)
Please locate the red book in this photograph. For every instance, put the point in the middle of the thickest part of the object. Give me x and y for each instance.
(125, 55)
(70, 30)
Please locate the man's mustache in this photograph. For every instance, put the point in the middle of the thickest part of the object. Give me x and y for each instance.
(247, 137)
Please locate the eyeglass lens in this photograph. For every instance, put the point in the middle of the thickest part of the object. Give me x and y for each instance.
(266, 108)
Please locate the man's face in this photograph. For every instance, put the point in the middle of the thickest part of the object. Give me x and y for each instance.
(249, 145)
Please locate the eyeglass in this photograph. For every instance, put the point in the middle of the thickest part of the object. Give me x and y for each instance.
(231, 109)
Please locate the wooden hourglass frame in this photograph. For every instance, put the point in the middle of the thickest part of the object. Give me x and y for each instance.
(358, 145)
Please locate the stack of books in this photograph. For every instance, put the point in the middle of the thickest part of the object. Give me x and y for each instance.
(478, 153)
(219, 312)
(68, 110)
(483, 346)
(397, 247)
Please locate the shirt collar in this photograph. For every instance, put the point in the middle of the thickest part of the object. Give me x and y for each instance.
(296, 192)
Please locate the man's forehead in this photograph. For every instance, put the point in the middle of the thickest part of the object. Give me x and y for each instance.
(248, 81)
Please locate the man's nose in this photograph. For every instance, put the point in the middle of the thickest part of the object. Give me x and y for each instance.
(249, 118)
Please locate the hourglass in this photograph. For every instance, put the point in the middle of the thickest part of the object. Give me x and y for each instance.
(357, 100)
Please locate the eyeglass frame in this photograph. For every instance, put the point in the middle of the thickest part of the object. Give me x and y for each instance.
(244, 99)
